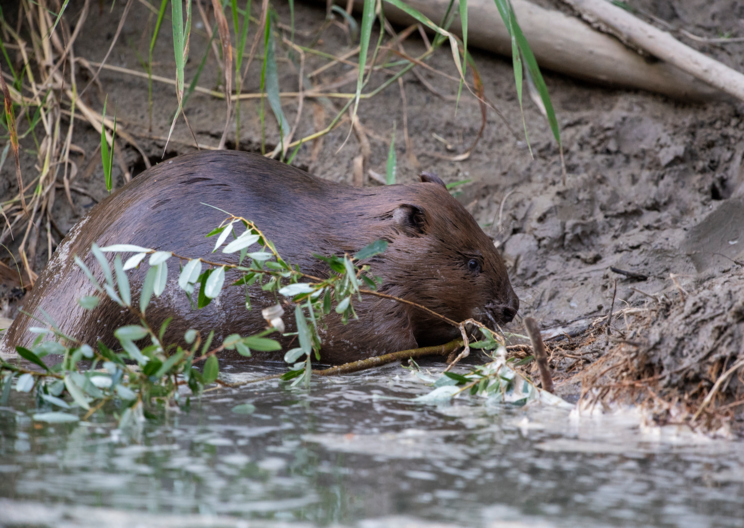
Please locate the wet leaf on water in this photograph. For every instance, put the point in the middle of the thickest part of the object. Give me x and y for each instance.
(244, 408)
(439, 394)
(55, 417)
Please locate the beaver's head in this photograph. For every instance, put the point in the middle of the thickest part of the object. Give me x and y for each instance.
(439, 257)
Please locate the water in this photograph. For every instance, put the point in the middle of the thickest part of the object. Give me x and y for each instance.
(356, 451)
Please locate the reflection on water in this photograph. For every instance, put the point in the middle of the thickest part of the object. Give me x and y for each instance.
(354, 452)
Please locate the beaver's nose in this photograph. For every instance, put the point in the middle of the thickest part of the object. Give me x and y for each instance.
(508, 313)
(510, 310)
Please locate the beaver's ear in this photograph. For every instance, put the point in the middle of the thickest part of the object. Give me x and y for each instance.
(410, 219)
(430, 177)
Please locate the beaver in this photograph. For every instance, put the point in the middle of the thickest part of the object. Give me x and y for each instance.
(437, 255)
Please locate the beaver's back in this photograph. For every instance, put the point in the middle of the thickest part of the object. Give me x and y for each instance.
(164, 208)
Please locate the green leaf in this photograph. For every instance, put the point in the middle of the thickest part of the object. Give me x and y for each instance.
(125, 393)
(147, 287)
(215, 231)
(214, 283)
(88, 273)
(152, 367)
(134, 352)
(243, 241)
(189, 336)
(161, 278)
(368, 18)
(211, 370)
(223, 236)
(262, 344)
(101, 258)
(125, 248)
(134, 261)
(260, 255)
(272, 82)
(56, 401)
(123, 281)
(159, 257)
(49, 347)
(375, 248)
(207, 343)
(296, 289)
(25, 382)
(303, 332)
(454, 184)
(390, 168)
(130, 332)
(89, 302)
(106, 154)
(55, 417)
(76, 392)
(203, 300)
(292, 374)
(244, 408)
(30, 356)
(343, 305)
(7, 385)
(464, 22)
(231, 340)
(242, 349)
(293, 355)
(190, 273)
(457, 377)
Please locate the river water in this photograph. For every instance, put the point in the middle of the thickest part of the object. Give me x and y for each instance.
(356, 451)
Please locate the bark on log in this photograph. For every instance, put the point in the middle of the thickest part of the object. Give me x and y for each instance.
(661, 44)
(565, 45)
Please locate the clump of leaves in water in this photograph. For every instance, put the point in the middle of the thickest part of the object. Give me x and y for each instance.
(146, 372)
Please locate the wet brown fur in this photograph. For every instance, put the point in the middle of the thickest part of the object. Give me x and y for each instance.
(431, 239)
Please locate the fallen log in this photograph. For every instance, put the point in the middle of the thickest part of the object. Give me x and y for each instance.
(564, 44)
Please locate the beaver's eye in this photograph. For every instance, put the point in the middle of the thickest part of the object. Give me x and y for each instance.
(474, 266)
